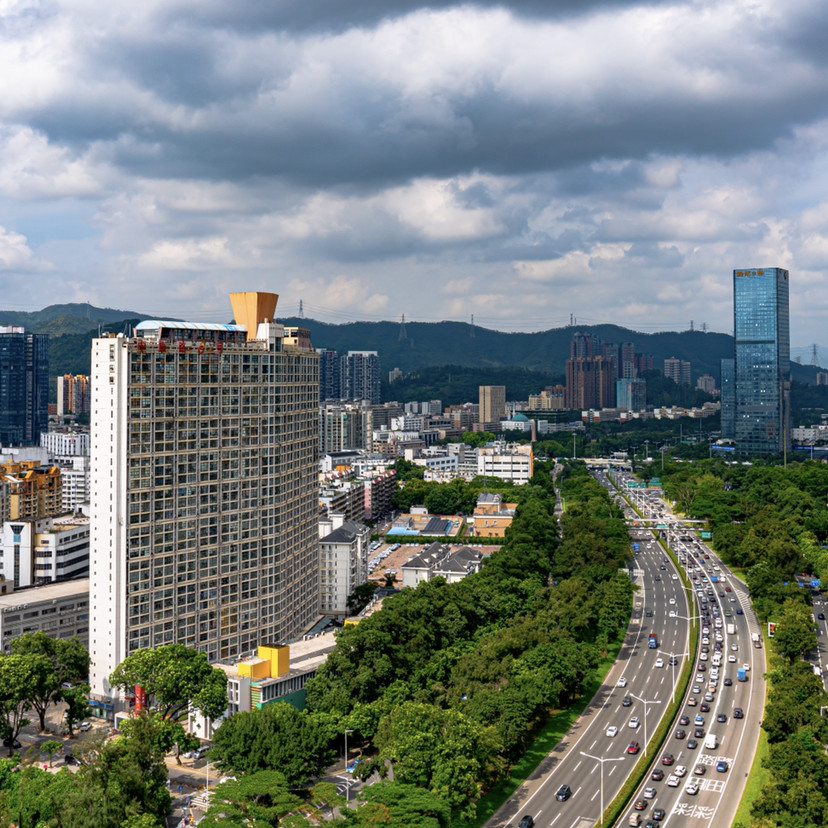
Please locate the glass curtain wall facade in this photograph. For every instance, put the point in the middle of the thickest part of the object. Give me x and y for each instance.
(24, 386)
(762, 357)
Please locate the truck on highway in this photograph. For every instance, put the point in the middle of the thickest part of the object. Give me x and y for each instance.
(731, 629)
(710, 741)
(756, 639)
(741, 674)
(652, 641)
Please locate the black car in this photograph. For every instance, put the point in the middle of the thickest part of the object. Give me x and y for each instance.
(684, 721)
(70, 759)
(737, 713)
(699, 733)
(704, 707)
(659, 814)
(12, 743)
(728, 682)
(527, 821)
(648, 613)
(627, 701)
(564, 792)
(721, 717)
(821, 616)
(691, 744)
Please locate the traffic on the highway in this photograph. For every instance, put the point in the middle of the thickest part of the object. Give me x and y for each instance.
(698, 775)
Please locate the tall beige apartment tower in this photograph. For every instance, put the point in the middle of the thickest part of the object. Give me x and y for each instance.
(492, 403)
(204, 447)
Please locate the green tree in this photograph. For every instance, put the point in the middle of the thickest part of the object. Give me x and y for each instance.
(77, 705)
(18, 675)
(174, 677)
(258, 799)
(794, 636)
(166, 733)
(50, 747)
(69, 662)
(275, 737)
(361, 597)
(403, 806)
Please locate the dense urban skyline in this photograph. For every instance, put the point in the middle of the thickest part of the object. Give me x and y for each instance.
(519, 161)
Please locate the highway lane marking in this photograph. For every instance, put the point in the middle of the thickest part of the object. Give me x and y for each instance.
(556, 818)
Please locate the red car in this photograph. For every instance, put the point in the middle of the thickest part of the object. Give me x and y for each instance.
(667, 759)
(633, 748)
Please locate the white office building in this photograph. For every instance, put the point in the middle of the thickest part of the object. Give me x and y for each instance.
(204, 487)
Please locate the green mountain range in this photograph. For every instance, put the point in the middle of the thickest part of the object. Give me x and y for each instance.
(414, 346)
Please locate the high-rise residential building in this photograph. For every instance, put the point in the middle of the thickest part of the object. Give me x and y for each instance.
(677, 370)
(346, 426)
(584, 346)
(492, 403)
(631, 394)
(204, 487)
(72, 394)
(590, 383)
(24, 385)
(762, 360)
(329, 385)
(359, 376)
(707, 384)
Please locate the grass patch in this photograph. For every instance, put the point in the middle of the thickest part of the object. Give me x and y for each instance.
(549, 735)
(757, 779)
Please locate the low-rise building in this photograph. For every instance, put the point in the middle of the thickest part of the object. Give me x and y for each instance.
(438, 560)
(59, 610)
(492, 517)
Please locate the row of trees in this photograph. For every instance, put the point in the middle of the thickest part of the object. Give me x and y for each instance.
(772, 522)
(40, 672)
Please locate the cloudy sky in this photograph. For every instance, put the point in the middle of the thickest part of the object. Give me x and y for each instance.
(521, 161)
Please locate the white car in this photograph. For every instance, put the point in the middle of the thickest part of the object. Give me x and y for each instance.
(612, 730)
(680, 770)
(659, 662)
(622, 682)
(675, 577)
(673, 780)
(731, 658)
(672, 602)
(85, 726)
(634, 721)
(691, 788)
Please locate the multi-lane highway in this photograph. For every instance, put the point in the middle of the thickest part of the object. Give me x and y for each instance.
(600, 751)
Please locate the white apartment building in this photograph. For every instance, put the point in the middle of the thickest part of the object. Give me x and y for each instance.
(344, 565)
(65, 443)
(43, 550)
(75, 479)
(508, 462)
(204, 487)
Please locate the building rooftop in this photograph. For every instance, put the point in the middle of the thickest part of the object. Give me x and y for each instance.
(153, 325)
(47, 592)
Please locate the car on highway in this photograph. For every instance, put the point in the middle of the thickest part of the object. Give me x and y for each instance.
(698, 733)
(649, 792)
(696, 688)
(673, 661)
(721, 766)
(821, 616)
(633, 748)
(634, 722)
(612, 730)
(640, 805)
(680, 770)
(667, 759)
(527, 821)
(699, 721)
(564, 792)
(691, 744)
(704, 707)
(728, 682)
(672, 781)
(622, 682)
(731, 658)
(672, 602)
(627, 701)
(737, 713)
(659, 662)
(680, 734)
(739, 611)
(692, 701)
(657, 774)
(721, 717)
(708, 696)
(700, 770)
(684, 720)
(659, 814)
(691, 788)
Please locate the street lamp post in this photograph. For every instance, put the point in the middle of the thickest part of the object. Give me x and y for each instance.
(645, 702)
(675, 656)
(647, 448)
(347, 781)
(601, 760)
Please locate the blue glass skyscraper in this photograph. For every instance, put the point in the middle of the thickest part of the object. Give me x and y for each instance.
(762, 357)
(24, 386)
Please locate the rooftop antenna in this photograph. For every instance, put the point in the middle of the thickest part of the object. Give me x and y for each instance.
(814, 355)
(301, 310)
(403, 334)
(691, 326)
(471, 329)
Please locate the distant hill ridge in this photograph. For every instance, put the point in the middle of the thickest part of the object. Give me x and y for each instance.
(418, 345)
